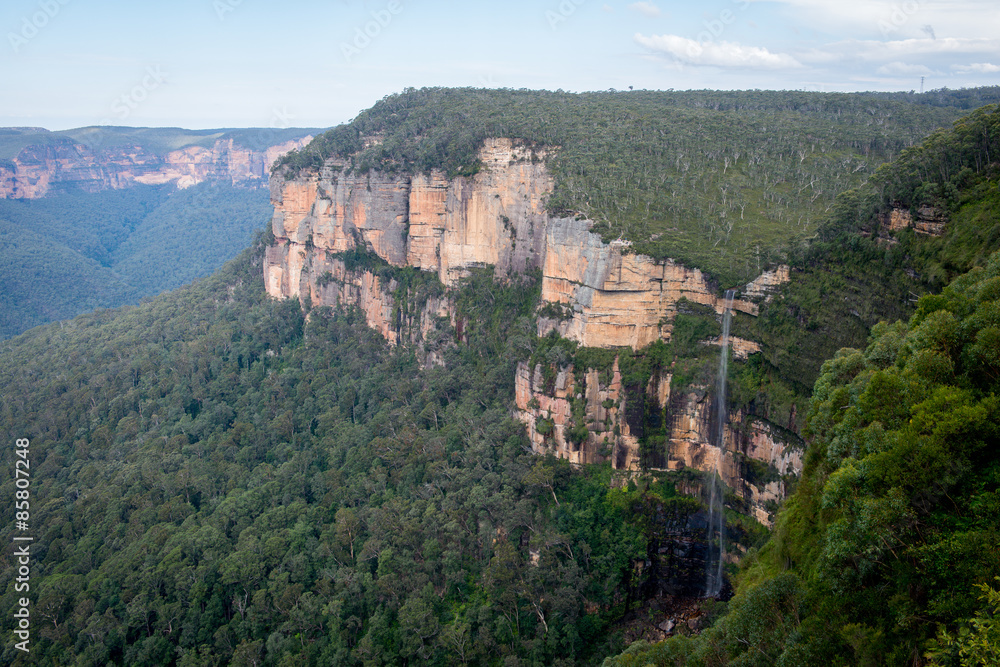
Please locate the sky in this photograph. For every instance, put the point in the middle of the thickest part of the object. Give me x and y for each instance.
(258, 63)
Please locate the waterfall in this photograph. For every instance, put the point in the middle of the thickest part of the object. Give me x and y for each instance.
(715, 535)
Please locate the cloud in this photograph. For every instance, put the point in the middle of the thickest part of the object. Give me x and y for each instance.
(647, 9)
(903, 69)
(716, 54)
(900, 50)
(977, 68)
(864, 18)
(608, 8)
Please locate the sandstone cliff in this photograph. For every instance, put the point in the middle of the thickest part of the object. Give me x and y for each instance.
(447, 226)
(614, 430)
(596, 293)
(495, 218)
(613, 298)
(38, 170)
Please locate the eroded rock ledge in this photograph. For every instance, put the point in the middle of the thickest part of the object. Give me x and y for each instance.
(755, 459)
(496, 218)
(605, 297)
(38, 170)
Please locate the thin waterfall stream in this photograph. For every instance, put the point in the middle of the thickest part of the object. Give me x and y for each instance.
(715, 536)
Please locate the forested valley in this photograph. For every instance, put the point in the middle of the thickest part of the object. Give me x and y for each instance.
(75, 251)
(219, 478)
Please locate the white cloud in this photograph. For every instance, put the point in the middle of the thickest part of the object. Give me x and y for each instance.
(647, 9)
(716, 54)
(889, 18)
(608, 8)
(897, 50)
(903, 69)
(977, 68)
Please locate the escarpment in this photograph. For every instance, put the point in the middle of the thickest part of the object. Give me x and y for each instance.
(496, 218)
(346, 239)
(592, 416)
(39, 170)
(612, 298)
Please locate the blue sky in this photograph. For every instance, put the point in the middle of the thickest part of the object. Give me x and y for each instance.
(238, 63)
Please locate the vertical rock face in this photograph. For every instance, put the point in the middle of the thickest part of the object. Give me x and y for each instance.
(38, 170)
(448, 226)
(615, 299)
(603, 296)
(545, 407)
(497, 218)
(545, 401)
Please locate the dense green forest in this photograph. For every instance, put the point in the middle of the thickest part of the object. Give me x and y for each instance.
(219, 479)
(729, 182)
(877, 276)
(888, 552)
(72, 252)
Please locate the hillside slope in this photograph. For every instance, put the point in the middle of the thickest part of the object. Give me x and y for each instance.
(73, 252)
(419, 182)
(216, 478)
(219, 477)
(98, 217)
(35, 162)
(726, 182)
(887, 552)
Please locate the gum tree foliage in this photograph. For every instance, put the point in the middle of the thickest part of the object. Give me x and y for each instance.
(885, 550)
(855, 273)
(217, 480)
(728, 182)
(74, 251)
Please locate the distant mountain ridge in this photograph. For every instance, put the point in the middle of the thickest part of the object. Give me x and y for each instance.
(102, 216)
(35, 162)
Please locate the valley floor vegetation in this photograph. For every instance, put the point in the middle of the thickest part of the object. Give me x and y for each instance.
(222, 478)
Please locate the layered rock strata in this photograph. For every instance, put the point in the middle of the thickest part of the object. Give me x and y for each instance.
(39, 170)
(612, 298)
(614, 423)
(929, 220)
(598, 294)
(607, 296)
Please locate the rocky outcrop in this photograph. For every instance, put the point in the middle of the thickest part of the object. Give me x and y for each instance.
(755, 458)
(613, 298)
(399, 314)
(605, 296)
(929, 221)
(545, 406)
(766, 284)
(741, 347)
(39, 170)
(598, 294)
(448, 226)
